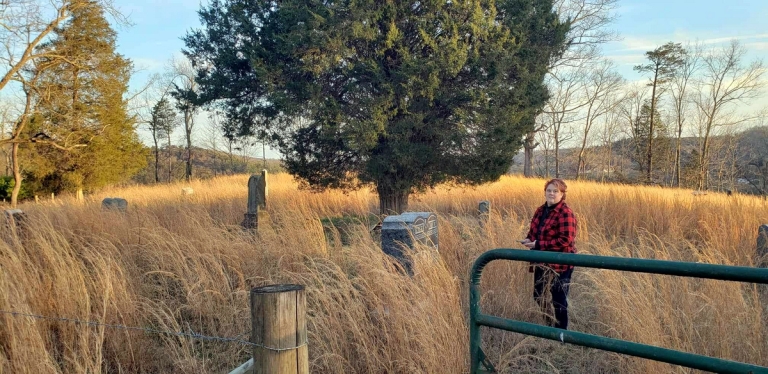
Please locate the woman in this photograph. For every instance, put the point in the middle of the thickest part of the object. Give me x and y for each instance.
(553, 228)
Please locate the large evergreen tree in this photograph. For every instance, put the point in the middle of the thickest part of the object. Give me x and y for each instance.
(398, 95)
(80, 107)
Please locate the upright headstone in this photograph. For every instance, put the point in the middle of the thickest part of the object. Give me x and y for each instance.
(80, 194)
(53, 197)
(402, 232)
(114, 203)
(484, 212)
(251, 220)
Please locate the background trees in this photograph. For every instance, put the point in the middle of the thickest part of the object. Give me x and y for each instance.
(79, 109)
(398, 96)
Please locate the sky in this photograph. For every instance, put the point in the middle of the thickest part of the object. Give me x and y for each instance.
(643, 25)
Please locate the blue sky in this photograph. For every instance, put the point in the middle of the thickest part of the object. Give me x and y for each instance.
(642, 24)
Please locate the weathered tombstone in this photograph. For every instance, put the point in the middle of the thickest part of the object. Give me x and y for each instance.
(15, 217)
(114, 203)
(53, 197)
(484, 210)
(37, 200)
(80, 194)
(186, 191)
(251, 220)
(400, 233)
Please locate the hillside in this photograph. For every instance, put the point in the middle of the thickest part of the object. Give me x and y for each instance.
(206, 163)
(739, 162)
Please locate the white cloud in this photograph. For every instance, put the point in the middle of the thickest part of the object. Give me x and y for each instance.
(758, 46)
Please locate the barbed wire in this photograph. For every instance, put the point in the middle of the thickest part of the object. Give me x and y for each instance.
(190, 334)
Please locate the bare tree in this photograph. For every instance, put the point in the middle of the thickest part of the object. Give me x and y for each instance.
(589, 22)
(562, 108)
(600, 91)
(629, 109)
(610, 129)
(547, 145)
(681, 98)
(725, 81)
(185, 91)
(7, 116)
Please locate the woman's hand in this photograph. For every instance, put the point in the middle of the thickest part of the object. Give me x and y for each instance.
(528, 244)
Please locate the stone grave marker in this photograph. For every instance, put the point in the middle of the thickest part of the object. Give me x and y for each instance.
(400, 233)
(15, 217)
(114, 203)
(484, 212)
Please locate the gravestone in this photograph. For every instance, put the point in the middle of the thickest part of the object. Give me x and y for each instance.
(15, 217)
(258, 188)
(400, 233)
(484, 211)
(80, 194)
(114, 203)
(257, 192)
(186, 191)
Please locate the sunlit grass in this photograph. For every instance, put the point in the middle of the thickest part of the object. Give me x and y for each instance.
(182, 263)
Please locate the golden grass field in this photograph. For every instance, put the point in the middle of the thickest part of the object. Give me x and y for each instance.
(182, 263)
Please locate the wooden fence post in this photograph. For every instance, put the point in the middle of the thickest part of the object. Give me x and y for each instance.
(279, 327)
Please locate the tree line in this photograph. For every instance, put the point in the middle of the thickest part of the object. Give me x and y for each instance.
(399, 97)
(676, 128)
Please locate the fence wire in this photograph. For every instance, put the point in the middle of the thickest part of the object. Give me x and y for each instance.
(190, 334)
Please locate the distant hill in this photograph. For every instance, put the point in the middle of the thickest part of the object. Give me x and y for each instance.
(739, 162)
(206, 163)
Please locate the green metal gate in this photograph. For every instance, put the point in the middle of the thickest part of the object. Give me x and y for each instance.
(686, 269)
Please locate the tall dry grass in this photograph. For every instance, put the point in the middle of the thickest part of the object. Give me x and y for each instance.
(183, 264)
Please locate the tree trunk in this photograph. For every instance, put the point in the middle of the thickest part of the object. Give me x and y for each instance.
(7, 163)
(650, 128)
(392, 201)
(188, 129)
(580, 165)
(170, 160)
(557, 157)
(16, 175)
(157, 159)
(677, 155)
(529, 144)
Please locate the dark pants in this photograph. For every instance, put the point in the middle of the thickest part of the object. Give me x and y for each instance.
(558, 285)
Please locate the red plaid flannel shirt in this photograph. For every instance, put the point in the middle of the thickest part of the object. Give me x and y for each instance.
(558, 233)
